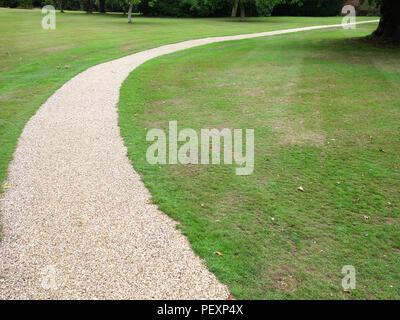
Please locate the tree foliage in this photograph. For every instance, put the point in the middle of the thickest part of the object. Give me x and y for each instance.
(310, 8)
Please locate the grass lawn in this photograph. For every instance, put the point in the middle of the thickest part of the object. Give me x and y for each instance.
(29, 55)
(323, 104)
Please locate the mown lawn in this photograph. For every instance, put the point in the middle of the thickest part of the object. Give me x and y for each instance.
(325, 109)
(29, 55)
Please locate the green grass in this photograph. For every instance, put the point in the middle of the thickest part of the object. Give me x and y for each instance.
(29, 55)
(322, 104)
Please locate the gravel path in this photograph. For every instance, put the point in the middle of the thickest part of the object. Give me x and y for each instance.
(77, 223)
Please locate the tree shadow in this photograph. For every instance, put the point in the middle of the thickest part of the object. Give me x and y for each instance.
(264, 20)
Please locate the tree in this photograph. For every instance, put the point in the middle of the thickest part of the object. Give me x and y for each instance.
(130, 11)
(88, 5)
(102, 6)
(131, 4)
(266, 3)
(234, 8)
(389, 24)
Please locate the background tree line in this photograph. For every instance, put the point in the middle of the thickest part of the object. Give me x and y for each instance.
(197, 8)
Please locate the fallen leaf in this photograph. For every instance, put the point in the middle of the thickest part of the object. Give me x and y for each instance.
(229, 298)
(218, 253)
(381, 150)
(202, 204)
(300, 189)
(366, 217)
(67, 67)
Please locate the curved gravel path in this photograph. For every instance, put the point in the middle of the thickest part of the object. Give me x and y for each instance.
(77, 223)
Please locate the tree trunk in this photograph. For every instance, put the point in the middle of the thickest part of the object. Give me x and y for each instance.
(89, 6)
(61, 6)
(234, 8)
(242, 13)
(389, 25)
(102, 6)
(130, 13)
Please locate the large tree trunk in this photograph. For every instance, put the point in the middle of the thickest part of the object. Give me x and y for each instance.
(234, 8)
(389, 26)
(130, 13)
(242, 13)
(102, 6)
(61, 6)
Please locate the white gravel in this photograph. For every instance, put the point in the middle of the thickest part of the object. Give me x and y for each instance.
(76, 218)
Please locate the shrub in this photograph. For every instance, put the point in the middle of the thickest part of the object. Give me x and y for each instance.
(264, 9)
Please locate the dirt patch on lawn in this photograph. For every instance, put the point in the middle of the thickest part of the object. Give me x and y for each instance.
(283, 280)
(293, 132)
